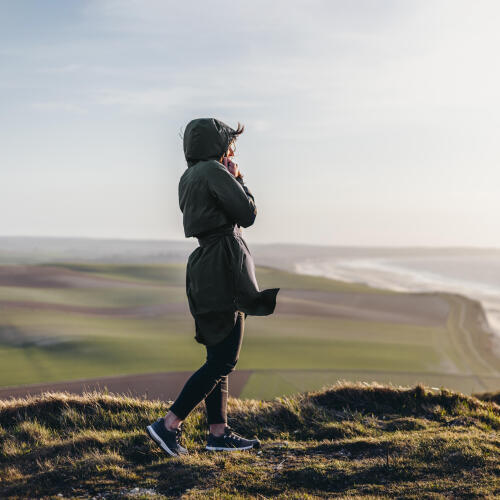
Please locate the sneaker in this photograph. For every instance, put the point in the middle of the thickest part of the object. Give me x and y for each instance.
(169, 441)
(230, 441)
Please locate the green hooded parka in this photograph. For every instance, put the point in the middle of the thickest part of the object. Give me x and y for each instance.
(220, 273)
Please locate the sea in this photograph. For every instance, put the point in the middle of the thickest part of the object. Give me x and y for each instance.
(475, 276)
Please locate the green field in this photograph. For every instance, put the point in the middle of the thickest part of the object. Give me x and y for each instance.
(116, 320)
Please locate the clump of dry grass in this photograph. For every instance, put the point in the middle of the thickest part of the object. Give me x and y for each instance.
(349, 439)
(489, 396)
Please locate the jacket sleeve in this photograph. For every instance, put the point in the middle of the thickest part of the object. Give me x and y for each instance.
(234, 197)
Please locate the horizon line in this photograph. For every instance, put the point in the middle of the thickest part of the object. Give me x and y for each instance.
(442, 247)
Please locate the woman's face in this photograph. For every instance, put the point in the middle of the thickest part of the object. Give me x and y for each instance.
(230, 150)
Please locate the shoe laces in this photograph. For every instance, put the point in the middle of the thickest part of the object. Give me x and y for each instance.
(231, 434)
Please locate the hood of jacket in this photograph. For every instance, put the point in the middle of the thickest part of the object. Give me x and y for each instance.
(206, 139)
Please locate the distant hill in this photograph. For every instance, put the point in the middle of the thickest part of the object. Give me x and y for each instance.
(347, 440)
(35, 250)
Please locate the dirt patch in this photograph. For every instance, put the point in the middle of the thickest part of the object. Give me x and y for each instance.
(164, 385)
(410, 308)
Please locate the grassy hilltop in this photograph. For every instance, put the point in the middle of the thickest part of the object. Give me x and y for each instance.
(345, 440)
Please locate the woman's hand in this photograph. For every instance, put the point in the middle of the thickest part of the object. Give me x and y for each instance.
(231, 166)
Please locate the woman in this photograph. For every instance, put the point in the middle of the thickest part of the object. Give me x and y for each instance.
(220, 280)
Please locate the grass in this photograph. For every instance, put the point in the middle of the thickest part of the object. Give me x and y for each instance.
(345, 440)
(269, 383)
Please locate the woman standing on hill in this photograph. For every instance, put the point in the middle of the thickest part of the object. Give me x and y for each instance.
(220, 280)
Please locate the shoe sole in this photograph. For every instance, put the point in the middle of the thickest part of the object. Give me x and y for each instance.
(158, 440)
(216, 448)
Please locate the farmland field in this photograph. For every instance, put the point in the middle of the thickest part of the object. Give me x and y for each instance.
(63, 322)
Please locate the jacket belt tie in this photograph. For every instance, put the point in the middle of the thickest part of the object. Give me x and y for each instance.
(209, 237)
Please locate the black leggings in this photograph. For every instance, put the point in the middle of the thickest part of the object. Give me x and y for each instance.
(210, 382)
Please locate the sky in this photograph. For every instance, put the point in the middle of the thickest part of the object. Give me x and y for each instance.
(371, 123)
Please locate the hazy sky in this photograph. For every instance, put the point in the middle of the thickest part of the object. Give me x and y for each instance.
(367, 122)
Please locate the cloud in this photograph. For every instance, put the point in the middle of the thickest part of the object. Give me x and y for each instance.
(65, 106)
(66, 68)
(162, 100)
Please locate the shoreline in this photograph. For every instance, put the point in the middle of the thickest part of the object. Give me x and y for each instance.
(391, 277)
(467, 314)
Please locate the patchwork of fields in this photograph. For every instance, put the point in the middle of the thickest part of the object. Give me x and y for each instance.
(75, 322)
